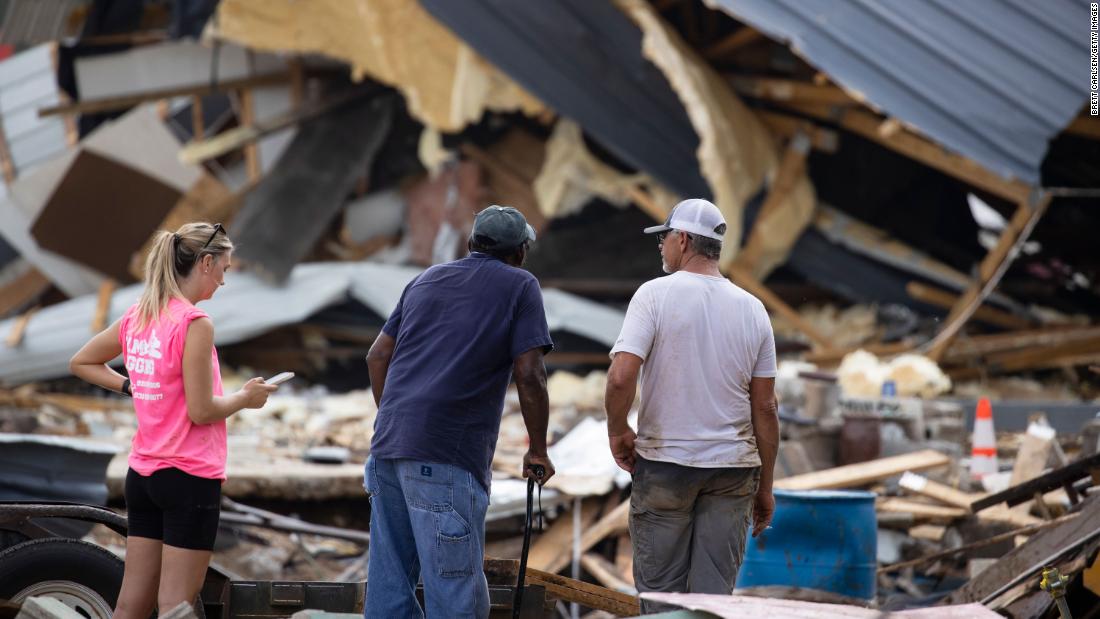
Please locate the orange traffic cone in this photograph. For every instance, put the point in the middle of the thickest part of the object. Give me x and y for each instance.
(983, 453)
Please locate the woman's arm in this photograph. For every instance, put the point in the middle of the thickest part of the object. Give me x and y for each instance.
(90, 362)
(198, 380)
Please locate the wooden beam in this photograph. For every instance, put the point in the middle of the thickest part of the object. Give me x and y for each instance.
(251, 149)
(624, 558)
(198, 123)
(916, 147)
(990, 271)
(297, 83)
(103, 305)
(946, 299)
(117, 103)
(781, 90)
(605, 572)
(19, 328)
(1074, 352)
(7, 164)
(923, 486)
(791, 168)
(980, 345)
(747, 35)
(749, 282)
(566, 589)
(199, 150)
(643, 200)
(833, 356)
(821, 139)
(989, 541)
(615, 521)
(22, 290)
(72, 132)
(553, 549)
(863, 473)
(1085, 126)
(925, 512)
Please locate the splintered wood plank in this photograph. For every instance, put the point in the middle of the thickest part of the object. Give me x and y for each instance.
(624, 558)
(103, 305)
(22, 290)
(19, 328)
(957, 498)
(922, 511)
(605, 572)
(863, 473)
(554, 548)
(568, 589)
(990, 271)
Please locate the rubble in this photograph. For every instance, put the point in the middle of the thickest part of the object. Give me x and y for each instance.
(911, 267)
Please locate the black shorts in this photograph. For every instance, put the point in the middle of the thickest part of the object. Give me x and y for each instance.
(170, 505)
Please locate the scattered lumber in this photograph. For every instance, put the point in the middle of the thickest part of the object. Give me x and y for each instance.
(236, 513)
(1029, 211)
(996, 539)
(553, 549)
(783, 90)
(946, 300)
(1059, 535)
(606, 572)
(1064, 478)
(22, 290)
(921, 485)
(914, 146)
(616, 521)
(567, 589)
(863, 473)
(19, 328)
(103, 305)
(925, 512)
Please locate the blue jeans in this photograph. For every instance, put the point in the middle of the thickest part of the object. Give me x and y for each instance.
(427, 522)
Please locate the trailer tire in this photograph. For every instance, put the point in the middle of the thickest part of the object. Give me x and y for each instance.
(84, 576)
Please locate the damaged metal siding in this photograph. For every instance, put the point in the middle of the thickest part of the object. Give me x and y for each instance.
(993, 80)
(584, 60)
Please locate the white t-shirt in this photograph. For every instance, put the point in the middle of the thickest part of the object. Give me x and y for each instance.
(701, 339)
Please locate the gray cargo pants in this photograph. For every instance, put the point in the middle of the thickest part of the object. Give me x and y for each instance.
(688, 526)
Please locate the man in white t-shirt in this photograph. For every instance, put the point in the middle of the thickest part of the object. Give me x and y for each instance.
(708, 428)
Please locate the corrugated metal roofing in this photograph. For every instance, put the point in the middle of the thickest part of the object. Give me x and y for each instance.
(35, 22)
(993, 80)
(584, 59)
(249, 306)
(28, 82)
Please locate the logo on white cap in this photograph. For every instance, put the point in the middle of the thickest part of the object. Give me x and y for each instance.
(694, 216)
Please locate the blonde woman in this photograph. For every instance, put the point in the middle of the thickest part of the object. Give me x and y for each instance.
(177, 459)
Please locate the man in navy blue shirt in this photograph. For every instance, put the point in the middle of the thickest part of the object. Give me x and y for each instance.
(439, 371)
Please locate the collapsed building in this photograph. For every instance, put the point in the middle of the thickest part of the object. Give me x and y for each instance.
(906, 185)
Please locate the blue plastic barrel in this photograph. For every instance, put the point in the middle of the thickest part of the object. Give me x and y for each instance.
(819, 539)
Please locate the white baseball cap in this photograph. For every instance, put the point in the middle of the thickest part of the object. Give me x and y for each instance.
(694, 216)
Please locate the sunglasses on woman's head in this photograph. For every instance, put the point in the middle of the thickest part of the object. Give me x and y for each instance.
(217, 228)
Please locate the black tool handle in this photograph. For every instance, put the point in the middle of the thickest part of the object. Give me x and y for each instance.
(537, 471)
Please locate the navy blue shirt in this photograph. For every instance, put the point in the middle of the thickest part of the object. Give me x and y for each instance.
(458, 328)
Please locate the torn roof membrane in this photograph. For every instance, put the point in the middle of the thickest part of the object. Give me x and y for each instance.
(993, 80)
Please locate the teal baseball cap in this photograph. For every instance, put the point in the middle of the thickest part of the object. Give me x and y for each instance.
(501, 227)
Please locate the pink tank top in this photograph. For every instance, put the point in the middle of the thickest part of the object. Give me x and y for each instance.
(166, 436)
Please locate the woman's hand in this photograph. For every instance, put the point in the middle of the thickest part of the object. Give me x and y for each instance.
(255, 392)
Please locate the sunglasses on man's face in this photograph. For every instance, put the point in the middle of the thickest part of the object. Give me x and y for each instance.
(662, 235)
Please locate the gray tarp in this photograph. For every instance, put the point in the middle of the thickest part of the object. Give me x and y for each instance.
(247, 307)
